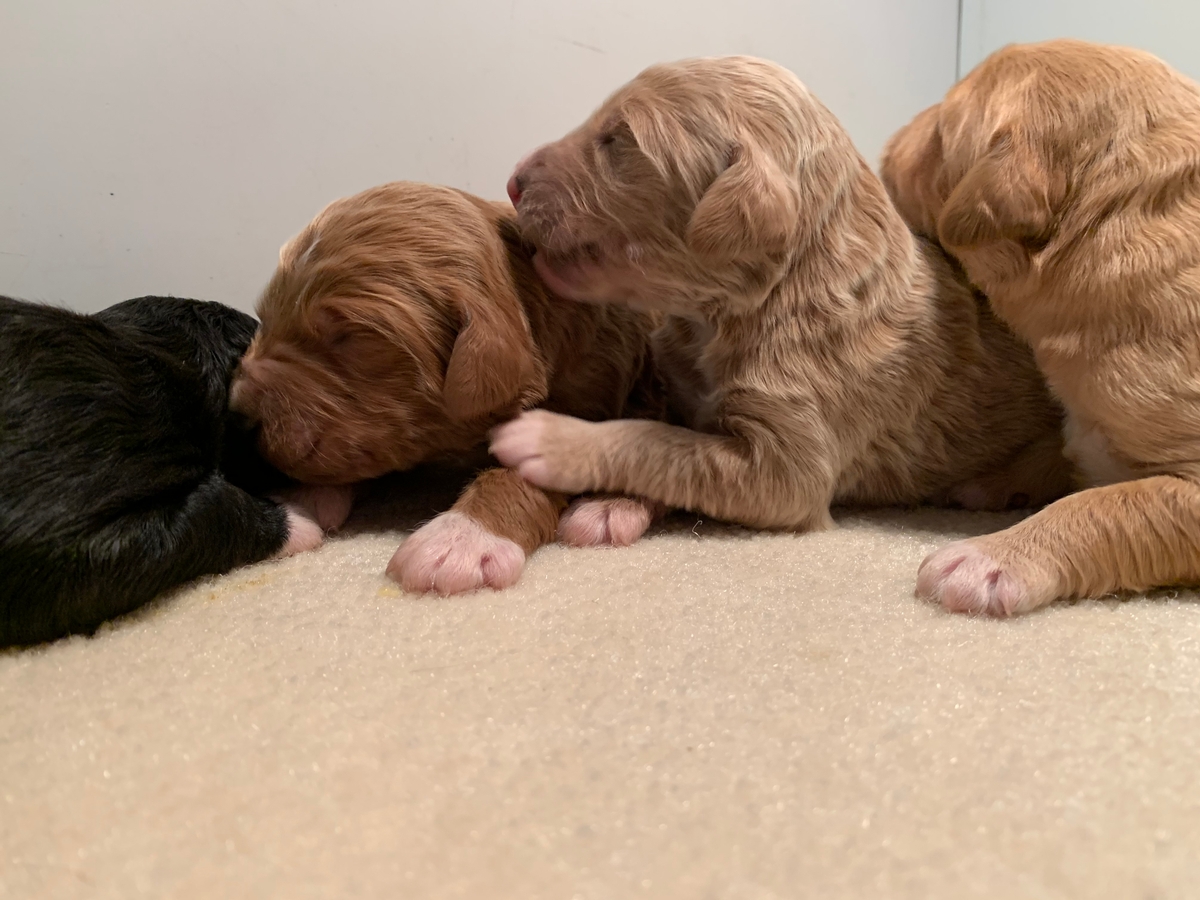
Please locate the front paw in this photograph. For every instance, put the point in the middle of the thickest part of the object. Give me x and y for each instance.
(981, 496)
(973, 577)
(546, 448)
(326, 504)
(303, 533)
(607, 521)
(454, 554)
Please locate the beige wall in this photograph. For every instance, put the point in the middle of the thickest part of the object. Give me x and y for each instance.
(151, 146)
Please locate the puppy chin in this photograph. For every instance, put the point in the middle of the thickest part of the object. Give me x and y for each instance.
(572, 280)
(604, 279)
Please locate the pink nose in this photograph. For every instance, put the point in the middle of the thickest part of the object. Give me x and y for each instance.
(514, 189)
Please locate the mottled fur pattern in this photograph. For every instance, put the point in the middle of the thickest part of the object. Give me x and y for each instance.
(822, 354)
(1065, 176)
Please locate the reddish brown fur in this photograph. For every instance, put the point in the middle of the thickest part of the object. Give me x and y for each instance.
(1066, 178)
(821, 353)
(406, 320)
(506, 504)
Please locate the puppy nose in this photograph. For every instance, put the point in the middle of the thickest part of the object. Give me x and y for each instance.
(520, 175)
(515, 188)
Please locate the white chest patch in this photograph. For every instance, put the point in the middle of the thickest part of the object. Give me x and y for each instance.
(1088, 448)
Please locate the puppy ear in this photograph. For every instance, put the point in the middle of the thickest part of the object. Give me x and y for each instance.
(751, 210)
(1012, 194)
(493, 364)
(290, 252)
(911, 169)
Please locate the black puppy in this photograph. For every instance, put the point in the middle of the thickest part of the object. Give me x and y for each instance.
(122, 472)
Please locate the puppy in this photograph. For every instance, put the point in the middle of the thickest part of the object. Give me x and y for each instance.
(1066, 178)
(400, 325)
(823, 354)
(121, 475)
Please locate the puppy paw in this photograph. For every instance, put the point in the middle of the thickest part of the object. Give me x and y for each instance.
(327, 505)
(607, 521)
(303, 533)
(1040, 474)
(454, 554)
(545, 448)
(967, 576)
(982, 496)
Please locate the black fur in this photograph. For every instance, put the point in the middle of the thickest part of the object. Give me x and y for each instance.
(122, 473)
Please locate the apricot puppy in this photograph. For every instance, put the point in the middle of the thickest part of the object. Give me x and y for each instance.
(400, 325)
(822, 354)
(1066, 178)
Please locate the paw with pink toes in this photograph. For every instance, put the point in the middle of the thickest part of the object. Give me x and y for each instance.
(607, 521)
(967, 576)
(454, 554)
(303, 533)
(542, 446)
(981, 496)
(328, 505)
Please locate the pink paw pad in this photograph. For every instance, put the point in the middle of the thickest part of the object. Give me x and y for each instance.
(605, 522)
(978, 496)
(303, 533)
(520, 440)
(327, 505)
(454, 554)
(963, 578)
(521, 445)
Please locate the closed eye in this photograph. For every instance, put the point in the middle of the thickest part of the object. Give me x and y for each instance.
(616, 133)
(342, 344)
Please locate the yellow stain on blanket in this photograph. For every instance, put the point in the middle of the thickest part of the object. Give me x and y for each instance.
(228, 586)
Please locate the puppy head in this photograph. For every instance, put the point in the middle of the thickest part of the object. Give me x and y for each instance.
(686, 179)
(993, 170)
(977, 173)
(913, 171)
(391, 333)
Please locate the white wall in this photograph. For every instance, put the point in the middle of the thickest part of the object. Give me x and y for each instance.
(153, 146)
(1167, 28)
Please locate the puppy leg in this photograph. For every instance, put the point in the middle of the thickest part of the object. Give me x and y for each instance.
(328, 505)
(1123, 537)
(1038, 475)
(304, 534)
(616, 521)
(49, 588)
(482, 541)
(771, 476)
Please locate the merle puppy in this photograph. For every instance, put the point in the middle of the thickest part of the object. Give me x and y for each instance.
(122, 472)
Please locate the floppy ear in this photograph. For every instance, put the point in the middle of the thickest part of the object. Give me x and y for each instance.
(293, 247)
(1014, 193)
(911, 171)
(493, 364)
(751, 210)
